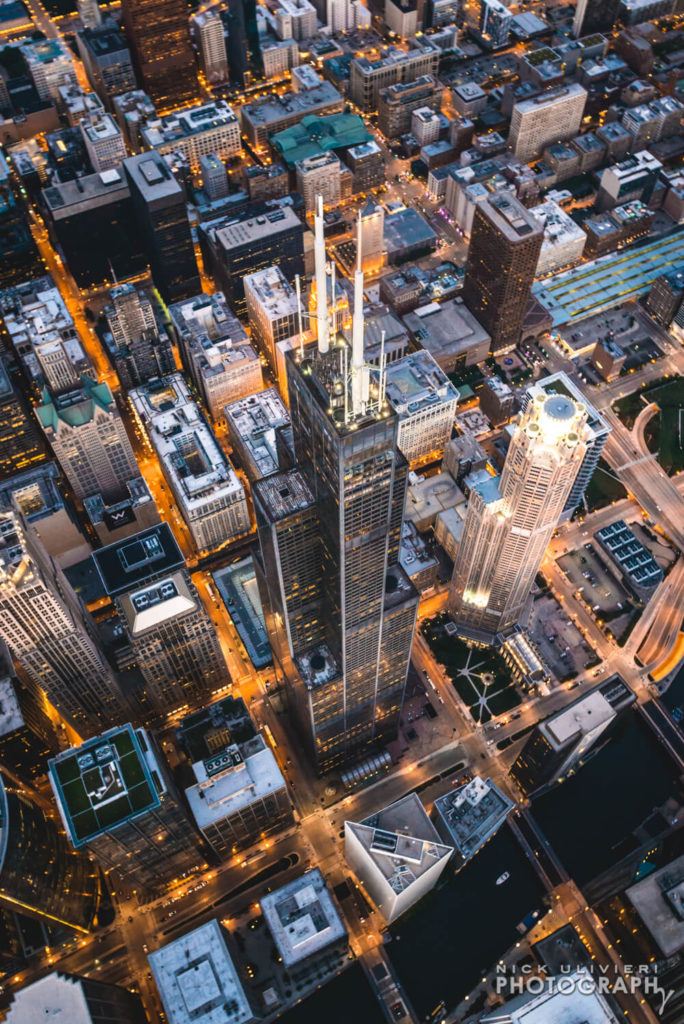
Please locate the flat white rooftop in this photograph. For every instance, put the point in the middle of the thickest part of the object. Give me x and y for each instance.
(302, 918)
(582, 717)
(555, 1008)
(659, 901)
(197, 979)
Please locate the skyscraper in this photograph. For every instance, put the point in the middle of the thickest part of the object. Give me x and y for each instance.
(244, 50)
(158, 35)
(78, 1000)
(511, 518)
(594, 16)
(140, 347)
(89, 439)
(343, 615)
(21, 259)
(21, 443)
(504, 250)
(159, 206)
(40, 874)
(211, 43)
(172, 636)
(50, 634)
(27, 736)
(115, 798)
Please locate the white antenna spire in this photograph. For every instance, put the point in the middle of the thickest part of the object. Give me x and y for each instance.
(360, 375)
(321, 280)
(382, 383)
(334, 299)
(299, 315)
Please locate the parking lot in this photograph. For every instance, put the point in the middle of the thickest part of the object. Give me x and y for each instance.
(558, 640)
(589, 574)
(624, 327)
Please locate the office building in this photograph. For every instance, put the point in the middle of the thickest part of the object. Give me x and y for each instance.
(296, 19)
(223, 366)
(582, 1003)
(346, 673)
(450, 333)
(557, 745)
(253, 423)
(665, 297)
(27, 736)
(263, 118)
(35, 494)
(497, 400)
(195, 132)
(368, 77)
(35, 322)
(158, 35)
(305, 926)
(16, 241)
(617, 228)
(239, 796)
(491, 23)
(114, 796)
(272, 309)
(244, 40)
(598, 431)
(92, 225)
(425, 400)
(367, 166)
(133, 511)
(21, 442)
(103, 142)
(132, 110)
(511, 518)
(469, 815)
(77, 1000)
(171, 635)
(39, 871)
(397, 855)
(138, 345)
(397, 103)
(50, 65)
(198, 981)
(210, 37)
(49, 633)
(214, 177)
(246, 244)
(656, 900)
(270, 182)
(594, 16)
(426, 126)
(159, 206)
(608, 358)
(107, 60)
(564, 240)
(550, 117)
(502, 261)
(209, 495)
(89, 13)
(88, 437)
(313, 136)
(633, 12)
(635, 177)
(322, 175)
(76, 104)
(372, 219)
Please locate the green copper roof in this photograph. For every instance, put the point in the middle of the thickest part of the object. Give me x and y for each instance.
(314, 135)
(76, 407)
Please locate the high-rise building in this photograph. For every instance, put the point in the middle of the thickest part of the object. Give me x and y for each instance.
(78, 1000)
(115, 798)
(251, 242)
(425, 401)
(140, 347)
(211, 42)
(27, 736)
(86, 433)
(553, 116)
(272, 308)
(50, 634)
(594, 16)
(171, 635)
(372, 218)
(502, 260)
(107, 60)
(159, 38)
(557, 745)
(50, 65)
(40, 874)
(210, 495)
(239, 793)
(368, 77)
(21, 444)
(213, 342)
(159, 206)
(511, 518)
(89, 12)
(214, 177)
(16, 241)
(103, 142)
(244, 49)
(341, 610)
(665, 297)
(322, 175)
(597, 435)
(195, 132)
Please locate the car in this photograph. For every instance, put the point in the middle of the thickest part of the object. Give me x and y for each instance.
(398, 1010)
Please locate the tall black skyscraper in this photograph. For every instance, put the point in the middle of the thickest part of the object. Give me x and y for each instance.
(159, 206)
(341, 610)
(40, 874)
(159, 37)
(242, 45)
(20, 255)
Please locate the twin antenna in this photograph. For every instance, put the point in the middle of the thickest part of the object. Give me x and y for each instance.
(358, 376)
